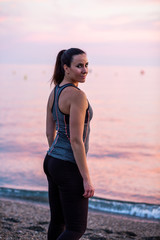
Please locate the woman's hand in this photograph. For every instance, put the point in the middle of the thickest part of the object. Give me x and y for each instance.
(88, 189)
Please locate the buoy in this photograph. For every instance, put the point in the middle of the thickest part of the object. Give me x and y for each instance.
(142, 72)
(25, 77)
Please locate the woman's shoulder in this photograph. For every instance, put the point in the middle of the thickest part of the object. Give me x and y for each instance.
(78, 97)
(73, 92)
(77, 93)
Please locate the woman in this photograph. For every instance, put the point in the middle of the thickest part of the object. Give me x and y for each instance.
(67, 130)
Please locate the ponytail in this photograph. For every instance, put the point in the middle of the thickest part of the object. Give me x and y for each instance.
(63, 57)
(58, 74)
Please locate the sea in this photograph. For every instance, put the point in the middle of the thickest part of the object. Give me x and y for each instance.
(124, 153)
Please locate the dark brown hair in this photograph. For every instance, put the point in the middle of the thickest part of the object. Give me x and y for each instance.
(63, 57)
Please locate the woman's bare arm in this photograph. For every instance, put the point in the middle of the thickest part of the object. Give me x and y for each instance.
(78, 108)
(50, 123)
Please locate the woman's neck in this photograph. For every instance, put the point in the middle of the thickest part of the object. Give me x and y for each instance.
(66, 81)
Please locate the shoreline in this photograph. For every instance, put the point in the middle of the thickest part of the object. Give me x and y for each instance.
(26, 220)
(46, 205)
(139, 209)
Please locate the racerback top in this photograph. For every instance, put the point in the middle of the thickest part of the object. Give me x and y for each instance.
(61, 147)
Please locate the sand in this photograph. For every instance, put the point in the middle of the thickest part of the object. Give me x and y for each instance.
(29, 221)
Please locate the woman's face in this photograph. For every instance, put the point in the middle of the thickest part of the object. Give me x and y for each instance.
(78, 70)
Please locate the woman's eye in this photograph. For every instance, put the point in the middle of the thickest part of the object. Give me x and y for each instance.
(79, 65)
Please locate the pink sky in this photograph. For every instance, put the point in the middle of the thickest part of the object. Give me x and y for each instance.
(117, 32)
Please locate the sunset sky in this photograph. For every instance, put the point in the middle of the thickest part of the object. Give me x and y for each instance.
(117, 32)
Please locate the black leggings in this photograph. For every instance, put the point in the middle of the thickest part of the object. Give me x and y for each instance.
(68, 207)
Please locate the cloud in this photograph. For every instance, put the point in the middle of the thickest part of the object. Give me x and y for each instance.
(46, 24)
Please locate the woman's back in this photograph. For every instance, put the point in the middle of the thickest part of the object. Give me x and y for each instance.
(61, 103)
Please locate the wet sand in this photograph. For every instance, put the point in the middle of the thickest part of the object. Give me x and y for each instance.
(29, 221)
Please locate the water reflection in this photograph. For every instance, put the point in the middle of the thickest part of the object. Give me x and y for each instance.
(124, 142)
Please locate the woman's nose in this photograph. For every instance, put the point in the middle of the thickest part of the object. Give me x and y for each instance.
(84, 70)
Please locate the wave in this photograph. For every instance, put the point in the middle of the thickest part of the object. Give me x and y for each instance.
(141, 210)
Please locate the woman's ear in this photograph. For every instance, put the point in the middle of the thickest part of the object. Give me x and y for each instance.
(66, 68)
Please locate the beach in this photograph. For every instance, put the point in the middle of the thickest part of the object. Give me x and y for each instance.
(29, 221)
